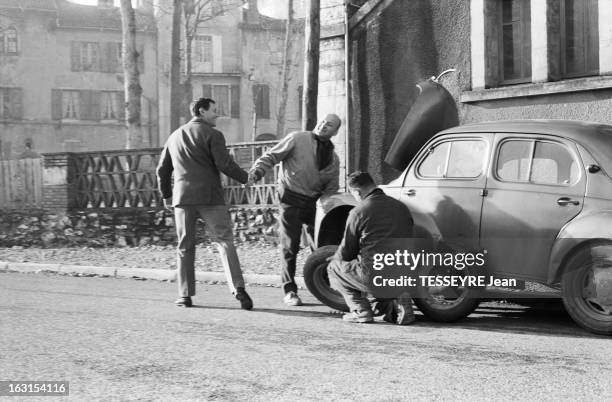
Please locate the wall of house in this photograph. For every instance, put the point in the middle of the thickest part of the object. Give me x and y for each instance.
(43, 64)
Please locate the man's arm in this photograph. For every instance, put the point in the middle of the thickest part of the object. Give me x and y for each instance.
(349, 248)
(333, 185)
(164, 174)
(224, 161)
(275, 155)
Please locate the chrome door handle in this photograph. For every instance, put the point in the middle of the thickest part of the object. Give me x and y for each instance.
(409, 193)
(566, 200)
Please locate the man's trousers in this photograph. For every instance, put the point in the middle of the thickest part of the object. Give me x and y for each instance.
(350, 279)
(219, 228)
(291, 220)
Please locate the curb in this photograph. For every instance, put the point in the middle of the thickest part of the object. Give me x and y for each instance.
(140, 273)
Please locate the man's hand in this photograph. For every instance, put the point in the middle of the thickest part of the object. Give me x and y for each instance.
(168, 203)
(255, 175)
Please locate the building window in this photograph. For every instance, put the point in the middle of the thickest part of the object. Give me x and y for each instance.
(579, 38)
(226, 97)
(10, 104)
(112, 105)
(105, 57)
(203, 49)
(261, 99)
(514, 41)
(89, 56)
(8, 40)
(70, 105)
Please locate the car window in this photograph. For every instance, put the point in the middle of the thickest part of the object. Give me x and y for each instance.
(465, 160)
(539, 162)
(513, 160)
(454, 159)
(434, 164)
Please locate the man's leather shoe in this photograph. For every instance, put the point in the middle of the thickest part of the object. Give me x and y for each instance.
(184, 302)
(245, 300)
(292, 299)
(403, 308)
(361, 317)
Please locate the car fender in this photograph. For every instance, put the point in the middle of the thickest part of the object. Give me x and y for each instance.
(576, 233)
(332, 211)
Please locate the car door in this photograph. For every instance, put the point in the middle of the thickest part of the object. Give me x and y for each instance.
(534, 187)
(443, 188)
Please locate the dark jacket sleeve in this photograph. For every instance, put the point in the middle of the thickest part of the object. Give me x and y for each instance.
(164, 173)
(349, 248)
(224, 161)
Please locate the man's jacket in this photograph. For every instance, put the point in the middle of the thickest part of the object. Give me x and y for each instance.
(196, 153)
(297, 154)
(371, 225)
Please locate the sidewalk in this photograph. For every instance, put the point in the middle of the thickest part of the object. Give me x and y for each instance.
(136, 273)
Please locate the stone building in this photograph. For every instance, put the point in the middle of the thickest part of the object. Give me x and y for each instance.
(517, 59)
(237, 60)
(61, 83)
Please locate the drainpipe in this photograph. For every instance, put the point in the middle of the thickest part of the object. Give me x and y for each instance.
(347, 55)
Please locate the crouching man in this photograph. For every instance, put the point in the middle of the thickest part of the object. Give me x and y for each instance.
(376, 219)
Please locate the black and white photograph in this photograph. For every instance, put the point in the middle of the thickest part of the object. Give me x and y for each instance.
(306, 200)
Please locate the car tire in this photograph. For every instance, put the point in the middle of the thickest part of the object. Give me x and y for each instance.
(447, 308)
(585, 285)
(317, 281)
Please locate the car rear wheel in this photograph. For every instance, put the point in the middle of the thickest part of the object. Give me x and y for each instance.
(317, 281)
(446, 303)
(587, 287)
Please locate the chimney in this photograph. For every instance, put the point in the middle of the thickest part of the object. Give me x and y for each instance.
(106, 3)
(252, 14)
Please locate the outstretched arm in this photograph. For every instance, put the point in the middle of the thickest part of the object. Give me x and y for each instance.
(224, 161)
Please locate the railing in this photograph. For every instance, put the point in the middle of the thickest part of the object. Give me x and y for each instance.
(21, 183)
(126, 178)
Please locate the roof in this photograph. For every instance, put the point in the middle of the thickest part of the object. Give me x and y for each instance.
(72, 15)
(595, 137)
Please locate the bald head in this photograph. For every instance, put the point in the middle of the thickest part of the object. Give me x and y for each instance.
(328, 127)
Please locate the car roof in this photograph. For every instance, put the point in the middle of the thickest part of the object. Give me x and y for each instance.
(595, 137)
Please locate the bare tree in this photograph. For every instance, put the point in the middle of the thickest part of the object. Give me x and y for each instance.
(286, 71)
(196, 13)
(131, 80)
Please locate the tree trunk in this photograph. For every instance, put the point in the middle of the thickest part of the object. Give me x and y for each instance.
(175, 67)
(286, 73)
(187, 87)
(311, 66)
(131, 80)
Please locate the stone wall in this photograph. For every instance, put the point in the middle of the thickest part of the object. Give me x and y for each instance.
(121, 227)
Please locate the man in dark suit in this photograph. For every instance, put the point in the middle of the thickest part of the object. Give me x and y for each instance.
(195, 153)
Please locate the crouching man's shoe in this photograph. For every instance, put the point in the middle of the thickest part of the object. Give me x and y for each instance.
(246, 303)
(292, 299)
(184, 302)
(403, 309)
(361, 317)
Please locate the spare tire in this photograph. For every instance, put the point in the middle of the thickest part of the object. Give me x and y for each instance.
(317, 281)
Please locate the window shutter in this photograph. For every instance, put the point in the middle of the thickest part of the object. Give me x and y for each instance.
(206, 91)
(217, 61)
(120, 106)
(235, 101)
(89, 105)
(56, 104)
(553, 32)
(16, 103)
(75, 56)
(265, 93)
(105, 57)
(141, 53)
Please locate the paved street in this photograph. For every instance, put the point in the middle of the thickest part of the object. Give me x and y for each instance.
(121, 339)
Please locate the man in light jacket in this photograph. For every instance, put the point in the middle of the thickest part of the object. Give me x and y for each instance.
(195, 154)
(309, 169)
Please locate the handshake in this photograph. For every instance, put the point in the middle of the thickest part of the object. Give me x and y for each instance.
(254, 176)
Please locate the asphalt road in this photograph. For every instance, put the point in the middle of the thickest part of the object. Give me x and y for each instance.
(121, 339)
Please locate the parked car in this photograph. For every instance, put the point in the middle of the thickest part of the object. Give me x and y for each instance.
(535, 194)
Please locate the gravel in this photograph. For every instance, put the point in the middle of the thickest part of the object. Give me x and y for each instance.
(254, 258)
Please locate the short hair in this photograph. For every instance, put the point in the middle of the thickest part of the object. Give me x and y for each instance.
(198, 103)
(360, 179)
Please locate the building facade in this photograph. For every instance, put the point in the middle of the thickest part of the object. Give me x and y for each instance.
(516, 59)
(61, 80)
(237, 60)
